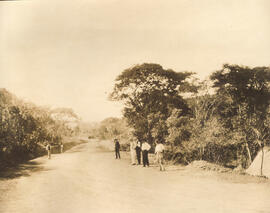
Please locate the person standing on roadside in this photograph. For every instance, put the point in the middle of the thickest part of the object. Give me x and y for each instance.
(133, 152)
(159, 151)
(138, 152)
(145, 149)
(117, 149)
(61, 147)
(49, 148)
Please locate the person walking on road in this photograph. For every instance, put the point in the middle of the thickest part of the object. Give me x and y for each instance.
(159, 151)
(138, 152)
(133, 152)
(145, 148)
(117, 149)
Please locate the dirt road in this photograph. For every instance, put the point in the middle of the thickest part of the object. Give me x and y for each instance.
(88, 179)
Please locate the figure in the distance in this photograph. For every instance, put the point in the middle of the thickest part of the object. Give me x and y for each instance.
(133, 152)
(48, 148)
(138, 152)
(117, 149)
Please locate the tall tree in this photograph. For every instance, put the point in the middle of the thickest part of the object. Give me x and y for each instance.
(245, 102)
(149, 92)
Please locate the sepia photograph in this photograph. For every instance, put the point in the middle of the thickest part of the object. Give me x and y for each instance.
(124, 106)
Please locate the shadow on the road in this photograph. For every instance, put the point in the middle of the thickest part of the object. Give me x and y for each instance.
(25, 169)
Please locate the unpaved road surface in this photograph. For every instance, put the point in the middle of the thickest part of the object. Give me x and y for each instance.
(88, 179)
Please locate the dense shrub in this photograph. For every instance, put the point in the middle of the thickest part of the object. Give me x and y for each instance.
(25, 129)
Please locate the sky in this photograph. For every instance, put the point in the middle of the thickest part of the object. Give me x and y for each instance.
(66, 53)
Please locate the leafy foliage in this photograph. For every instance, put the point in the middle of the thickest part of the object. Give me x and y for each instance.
(244, 103)
(224, 120)
(149, 92)
(24, 128)
(111, 128)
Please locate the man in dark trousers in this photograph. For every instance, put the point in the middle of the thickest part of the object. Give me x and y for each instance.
(138, 152)
(117, 149)
(145, 149)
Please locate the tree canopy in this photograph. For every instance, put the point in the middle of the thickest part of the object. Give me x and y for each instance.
(244, 105)
(245, 85)
(149, 92)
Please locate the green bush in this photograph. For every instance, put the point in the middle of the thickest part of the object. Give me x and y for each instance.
(25, 129)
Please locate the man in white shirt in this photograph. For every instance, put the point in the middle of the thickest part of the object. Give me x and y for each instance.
(145, 148)
(159, 150)
(61, 147)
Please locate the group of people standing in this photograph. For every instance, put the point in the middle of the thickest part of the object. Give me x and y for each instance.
(137, 149)
(49, 149)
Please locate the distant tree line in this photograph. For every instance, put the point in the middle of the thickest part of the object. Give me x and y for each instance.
(25, 128)
(111, 128)
(224, 120)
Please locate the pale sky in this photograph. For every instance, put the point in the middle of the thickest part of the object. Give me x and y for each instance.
(66, 53)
